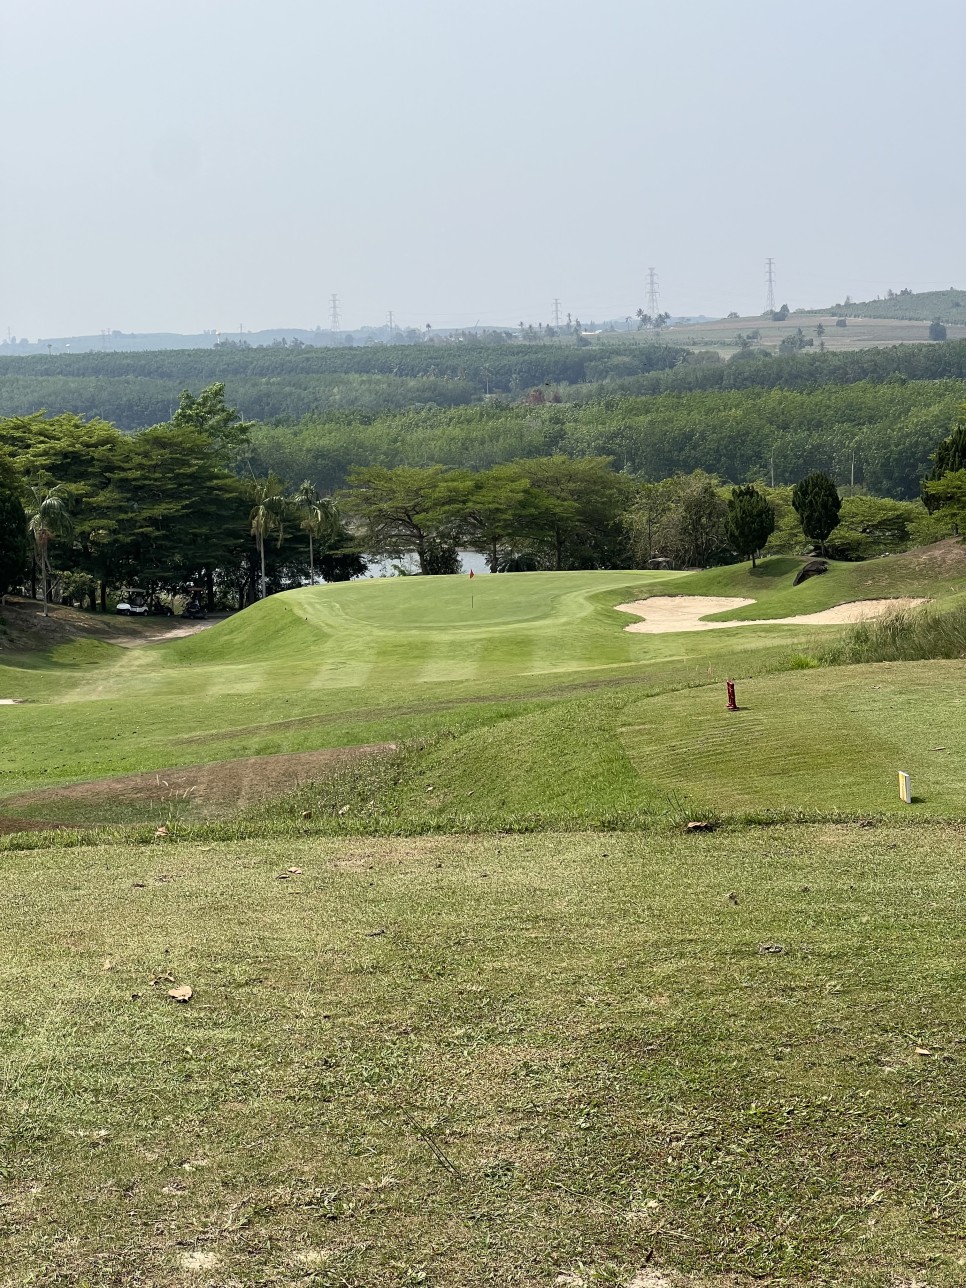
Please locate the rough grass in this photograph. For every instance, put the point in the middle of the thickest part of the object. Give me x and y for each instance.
(485, 1061)
(910, 636)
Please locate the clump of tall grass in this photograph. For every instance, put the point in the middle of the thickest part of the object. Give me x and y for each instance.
(909, 635)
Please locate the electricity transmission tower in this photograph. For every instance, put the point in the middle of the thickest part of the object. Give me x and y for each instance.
(556, 313)
(770, 279)
(653, 293)
(334, 320)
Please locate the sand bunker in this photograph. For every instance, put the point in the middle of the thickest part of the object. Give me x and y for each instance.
(664, 614)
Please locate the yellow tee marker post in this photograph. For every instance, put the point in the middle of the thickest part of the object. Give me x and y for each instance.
(905, 787)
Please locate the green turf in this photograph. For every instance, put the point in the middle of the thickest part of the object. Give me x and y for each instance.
(486, 1062)
(332, 666)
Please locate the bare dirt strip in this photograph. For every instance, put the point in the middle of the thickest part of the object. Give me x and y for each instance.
(664, 614)
(209, 788)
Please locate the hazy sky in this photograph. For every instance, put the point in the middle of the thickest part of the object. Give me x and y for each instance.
(191, 164)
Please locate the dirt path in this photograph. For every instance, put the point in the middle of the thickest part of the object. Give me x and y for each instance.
(158, 636)
(664, 614)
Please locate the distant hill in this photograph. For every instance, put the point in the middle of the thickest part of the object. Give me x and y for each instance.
(906, 305)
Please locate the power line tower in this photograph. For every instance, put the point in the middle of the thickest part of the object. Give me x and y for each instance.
(556, 313)
(334, 320)
(653, 293)
(770, 280)
(392, 327)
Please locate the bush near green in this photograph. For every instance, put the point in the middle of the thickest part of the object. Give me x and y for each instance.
(817, 503)
(751, 521)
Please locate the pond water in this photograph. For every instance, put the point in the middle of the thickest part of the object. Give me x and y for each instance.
(469, 560)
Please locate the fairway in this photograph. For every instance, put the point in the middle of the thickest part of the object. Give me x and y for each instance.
(537, 662)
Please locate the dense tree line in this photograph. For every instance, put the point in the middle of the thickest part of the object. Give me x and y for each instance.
(133, 390)
(179, 506)
(877, 436)
(171, 509)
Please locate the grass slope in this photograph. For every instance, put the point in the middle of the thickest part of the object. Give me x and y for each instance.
(486, 1061)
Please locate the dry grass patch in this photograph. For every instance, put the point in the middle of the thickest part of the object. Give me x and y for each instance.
(223, 786)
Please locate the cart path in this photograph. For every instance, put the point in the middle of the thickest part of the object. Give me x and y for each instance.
(158, 637)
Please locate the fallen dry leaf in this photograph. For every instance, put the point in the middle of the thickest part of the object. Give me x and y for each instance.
(295, 872)
(923, 1051)
(306, 813)
(183, 993)
(108, 964)
(771, 948)
(343, 810)
(161, 831)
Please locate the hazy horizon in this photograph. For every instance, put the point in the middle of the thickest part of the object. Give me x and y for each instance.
(192, 167)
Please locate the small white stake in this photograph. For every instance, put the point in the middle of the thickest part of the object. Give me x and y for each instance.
(905, 788)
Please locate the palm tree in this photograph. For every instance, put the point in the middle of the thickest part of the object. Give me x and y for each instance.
(318, 519)
(47, 518)
(267, 515)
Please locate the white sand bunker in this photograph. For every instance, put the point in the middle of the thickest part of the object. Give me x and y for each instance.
(10, 702)
(664, 614)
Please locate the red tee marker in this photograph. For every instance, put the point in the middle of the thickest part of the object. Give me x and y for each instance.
(732, 703)
(472, 574)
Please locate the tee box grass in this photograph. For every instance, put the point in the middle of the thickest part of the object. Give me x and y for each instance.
(561, 1059)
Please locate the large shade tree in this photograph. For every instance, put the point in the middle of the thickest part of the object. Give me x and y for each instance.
(401, 512)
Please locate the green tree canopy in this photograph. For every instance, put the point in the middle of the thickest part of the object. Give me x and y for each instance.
(48, 517)
(751, 521)
(947, 495)
(14, 542)
(398, 511)
(948, 457)
(693, 530)
(817, 504)
(211, 418)
(576, 512)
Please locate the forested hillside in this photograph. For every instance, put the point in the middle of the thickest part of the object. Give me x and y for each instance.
(133, 390)
(916, 306)
(888, 431)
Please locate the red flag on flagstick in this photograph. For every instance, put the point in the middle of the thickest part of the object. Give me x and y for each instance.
(472, 574)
